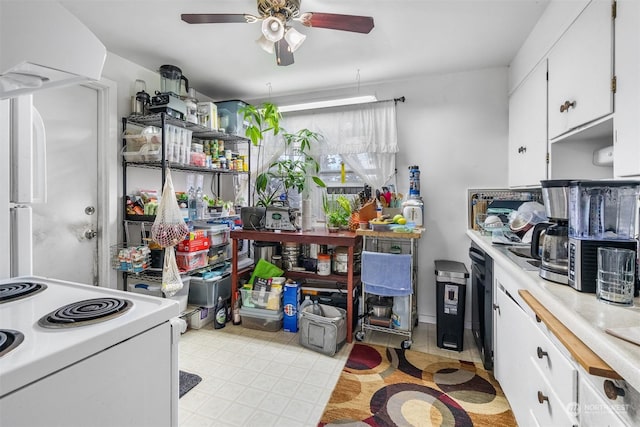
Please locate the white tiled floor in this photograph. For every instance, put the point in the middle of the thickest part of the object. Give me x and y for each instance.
(257, 378)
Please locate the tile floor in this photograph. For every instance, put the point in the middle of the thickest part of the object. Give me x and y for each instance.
(257, 378)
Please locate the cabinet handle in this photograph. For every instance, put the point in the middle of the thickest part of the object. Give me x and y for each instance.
(522, 149)
(496, 307)
(565, 107)
(542, 398)
(542, 353)
(611, 390)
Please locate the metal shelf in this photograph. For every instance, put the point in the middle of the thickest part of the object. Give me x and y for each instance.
(177, 166)
(199, 132)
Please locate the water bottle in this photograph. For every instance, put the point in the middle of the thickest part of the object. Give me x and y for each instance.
(307, 301)
(316, 309)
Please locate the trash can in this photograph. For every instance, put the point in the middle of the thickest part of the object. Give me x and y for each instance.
(451, 289)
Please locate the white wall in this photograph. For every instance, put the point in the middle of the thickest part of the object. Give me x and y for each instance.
(454, 127)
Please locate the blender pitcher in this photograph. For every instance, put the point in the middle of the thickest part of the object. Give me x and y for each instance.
(170, 80)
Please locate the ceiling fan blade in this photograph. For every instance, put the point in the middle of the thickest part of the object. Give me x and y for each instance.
(213, 18)
(284, 56)
(334, 21)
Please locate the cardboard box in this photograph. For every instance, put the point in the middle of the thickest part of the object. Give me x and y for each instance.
(194, 245)
(201, 317)
(290, 302)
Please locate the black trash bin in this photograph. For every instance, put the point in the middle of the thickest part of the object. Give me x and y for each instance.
(451, 290)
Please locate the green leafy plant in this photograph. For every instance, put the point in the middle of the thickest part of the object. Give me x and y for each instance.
(337, 210)
(262, 120)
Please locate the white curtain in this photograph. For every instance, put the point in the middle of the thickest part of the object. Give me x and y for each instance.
(365, 135)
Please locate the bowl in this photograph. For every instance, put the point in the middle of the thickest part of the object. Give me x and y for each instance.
(381, 226)
(381, 310)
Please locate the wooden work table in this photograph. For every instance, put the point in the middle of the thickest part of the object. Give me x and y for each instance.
(319, 236)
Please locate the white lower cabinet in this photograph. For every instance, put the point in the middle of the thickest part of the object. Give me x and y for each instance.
(539, 381)
(594, 409)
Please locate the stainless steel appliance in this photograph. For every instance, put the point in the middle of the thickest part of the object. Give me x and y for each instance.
(601, 214)
(86, 353)
(482, 303)
(280, 218)
(550, 240)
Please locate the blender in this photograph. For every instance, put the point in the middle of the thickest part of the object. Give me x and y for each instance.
(550, 240)
(602, 213)
(168, 99)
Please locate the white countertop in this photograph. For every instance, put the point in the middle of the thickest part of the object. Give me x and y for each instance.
(580, 312)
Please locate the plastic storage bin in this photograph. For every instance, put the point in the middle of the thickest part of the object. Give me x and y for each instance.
(200, 317)
(188, 261)
(218, 234)
(152, 287)
(271, 300)
(451, 289)
(264, 320)
(231, 120)
(204, 292)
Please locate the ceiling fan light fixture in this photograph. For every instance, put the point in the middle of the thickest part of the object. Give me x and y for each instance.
(294, 38)
(265, 44)
(272, 29)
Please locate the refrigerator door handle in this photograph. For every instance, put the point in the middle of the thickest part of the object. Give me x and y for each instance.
(28, 143)
(21, 235)
(39, 174)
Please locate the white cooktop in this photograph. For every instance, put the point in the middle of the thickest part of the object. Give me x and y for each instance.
(44, 350)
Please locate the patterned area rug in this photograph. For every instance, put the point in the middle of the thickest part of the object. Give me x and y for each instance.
(382, 386)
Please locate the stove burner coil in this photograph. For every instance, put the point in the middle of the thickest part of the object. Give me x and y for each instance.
(85, 312)
(9, 339)
(15, 291)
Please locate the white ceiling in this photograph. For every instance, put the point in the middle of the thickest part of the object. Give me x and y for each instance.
(410, 37)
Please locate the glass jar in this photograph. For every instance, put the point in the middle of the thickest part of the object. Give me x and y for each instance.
(324, 264)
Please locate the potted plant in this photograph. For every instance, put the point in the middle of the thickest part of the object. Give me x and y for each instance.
(261, 121)
(337, 212)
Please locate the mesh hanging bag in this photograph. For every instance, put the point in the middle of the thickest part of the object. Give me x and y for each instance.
(169, 228)
(171, 281)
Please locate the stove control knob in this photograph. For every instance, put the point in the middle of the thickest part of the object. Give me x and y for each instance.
(90, 234)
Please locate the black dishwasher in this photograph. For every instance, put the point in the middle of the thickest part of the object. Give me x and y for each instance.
(482, 303)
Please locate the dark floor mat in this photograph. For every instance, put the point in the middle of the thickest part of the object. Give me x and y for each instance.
(188, 381)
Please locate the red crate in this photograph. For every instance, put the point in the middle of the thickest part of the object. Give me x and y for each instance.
(194, 245)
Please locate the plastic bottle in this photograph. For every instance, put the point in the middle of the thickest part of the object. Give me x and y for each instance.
(317, 310)
(191, 200)
(199, 198)
(401, 313)
(307, 301)
(220, 315)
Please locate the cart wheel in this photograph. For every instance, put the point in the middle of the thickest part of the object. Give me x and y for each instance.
(406, 344)
(359, 336)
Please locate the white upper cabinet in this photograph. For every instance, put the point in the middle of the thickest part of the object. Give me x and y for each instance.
(626, 121)
(581, 71)
(528, 130)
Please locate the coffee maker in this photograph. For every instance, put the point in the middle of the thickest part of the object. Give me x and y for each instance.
(549, 242)
(601, 214)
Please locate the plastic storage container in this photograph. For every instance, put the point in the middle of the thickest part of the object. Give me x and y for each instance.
(152, 287)
(264, 320)
(451, 289)
(204, 292)
(218, 234)
(200, 317)
(231, 120)
(271, 301)
(188, 261)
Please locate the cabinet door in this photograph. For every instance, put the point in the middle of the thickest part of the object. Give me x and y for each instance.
(626, 124)
(580, 71)
(511, 362)
(528, 130)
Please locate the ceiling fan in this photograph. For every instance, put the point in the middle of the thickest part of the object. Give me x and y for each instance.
(277, 17)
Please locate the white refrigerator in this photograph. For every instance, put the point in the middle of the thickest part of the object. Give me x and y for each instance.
(31, 59)
(23, 182)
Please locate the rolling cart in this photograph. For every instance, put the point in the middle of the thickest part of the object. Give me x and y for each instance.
(389, 271)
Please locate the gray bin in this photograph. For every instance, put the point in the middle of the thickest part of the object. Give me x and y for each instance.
(325, 334)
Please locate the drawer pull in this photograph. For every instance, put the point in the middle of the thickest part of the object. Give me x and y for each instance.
(565, 107)
(542, 353)
(542, 398)
(611, 390)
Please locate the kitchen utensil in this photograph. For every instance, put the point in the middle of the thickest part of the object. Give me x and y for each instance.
(550, 243)
(170, 80)
(616, 275)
